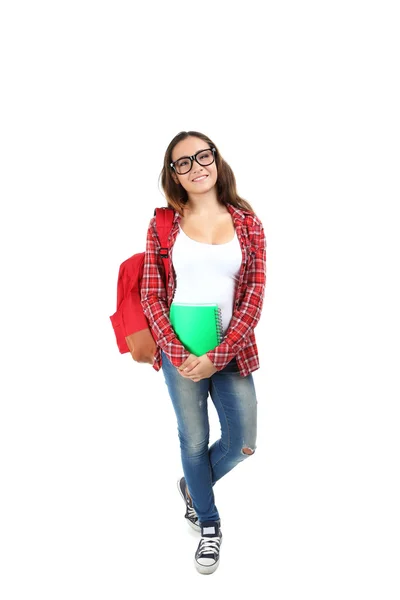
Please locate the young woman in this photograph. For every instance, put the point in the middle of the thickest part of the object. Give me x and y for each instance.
(217, 255)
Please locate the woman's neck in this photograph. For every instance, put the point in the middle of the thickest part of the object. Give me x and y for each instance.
(204, 206)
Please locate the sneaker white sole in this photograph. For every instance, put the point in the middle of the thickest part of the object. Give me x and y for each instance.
(206, 570)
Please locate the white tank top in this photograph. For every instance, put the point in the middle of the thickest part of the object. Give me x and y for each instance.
(207, 273)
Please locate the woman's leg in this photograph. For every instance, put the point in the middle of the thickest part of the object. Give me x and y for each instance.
(189, 400)
(235, 400)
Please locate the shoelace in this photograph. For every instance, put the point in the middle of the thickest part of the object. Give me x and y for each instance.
(191, 512)
(209, 545)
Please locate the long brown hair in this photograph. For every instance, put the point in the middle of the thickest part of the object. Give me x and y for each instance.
(177, 196)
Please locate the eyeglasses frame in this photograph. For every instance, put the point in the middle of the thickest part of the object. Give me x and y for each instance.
(192, 158)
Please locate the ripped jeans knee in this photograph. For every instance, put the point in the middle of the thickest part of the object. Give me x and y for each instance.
(247, 451)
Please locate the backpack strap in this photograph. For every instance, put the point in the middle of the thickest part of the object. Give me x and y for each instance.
(164, 220)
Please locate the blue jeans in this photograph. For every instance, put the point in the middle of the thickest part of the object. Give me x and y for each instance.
(235, 400)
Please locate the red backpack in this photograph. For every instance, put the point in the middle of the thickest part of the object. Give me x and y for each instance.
(130, 324)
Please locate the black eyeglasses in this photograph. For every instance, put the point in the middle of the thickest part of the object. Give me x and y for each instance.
(202, 157)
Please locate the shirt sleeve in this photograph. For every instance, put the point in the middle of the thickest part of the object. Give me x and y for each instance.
(154, 301)
(246, 316)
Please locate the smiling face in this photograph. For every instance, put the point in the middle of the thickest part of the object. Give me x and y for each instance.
(190, 181)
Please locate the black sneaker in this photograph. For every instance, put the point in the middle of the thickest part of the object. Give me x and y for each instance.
(206, 558)
(190, 512)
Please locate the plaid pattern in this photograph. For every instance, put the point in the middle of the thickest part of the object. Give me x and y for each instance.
(239, 339)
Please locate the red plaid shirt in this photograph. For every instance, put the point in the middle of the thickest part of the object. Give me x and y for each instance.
(239, 339)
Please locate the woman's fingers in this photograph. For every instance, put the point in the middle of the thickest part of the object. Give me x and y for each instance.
(189, 364)
(189, 367)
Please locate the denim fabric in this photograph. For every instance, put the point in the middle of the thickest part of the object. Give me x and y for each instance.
(235, 400)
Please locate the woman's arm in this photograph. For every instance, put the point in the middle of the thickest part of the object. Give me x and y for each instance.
(154, 301)
(247, 315)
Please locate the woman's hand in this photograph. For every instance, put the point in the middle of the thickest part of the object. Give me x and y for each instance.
(197, 367)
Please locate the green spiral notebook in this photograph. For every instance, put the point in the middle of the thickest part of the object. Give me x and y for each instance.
(197, 326)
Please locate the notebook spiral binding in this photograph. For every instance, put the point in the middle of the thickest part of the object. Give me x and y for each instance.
(218, 320)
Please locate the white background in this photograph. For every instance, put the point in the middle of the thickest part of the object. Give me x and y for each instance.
(302, 100)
